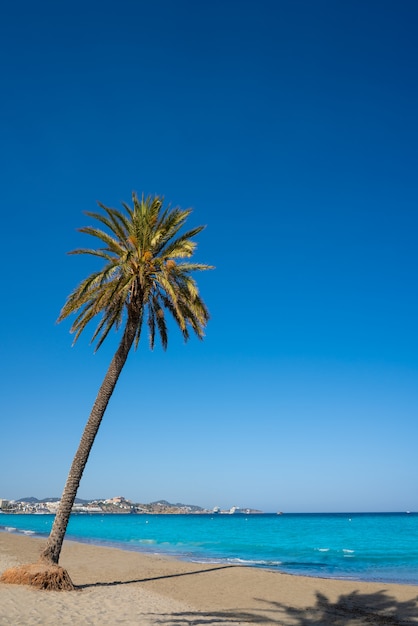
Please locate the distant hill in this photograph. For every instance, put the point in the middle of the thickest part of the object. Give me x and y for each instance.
(178, 505)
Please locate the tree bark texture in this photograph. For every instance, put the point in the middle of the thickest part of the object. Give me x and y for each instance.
(52, 551)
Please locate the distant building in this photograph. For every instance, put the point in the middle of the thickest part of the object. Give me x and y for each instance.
(4, 504)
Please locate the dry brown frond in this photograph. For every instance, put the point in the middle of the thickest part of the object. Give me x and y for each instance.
(39, 575)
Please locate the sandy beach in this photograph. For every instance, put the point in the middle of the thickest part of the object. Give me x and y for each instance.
(121, 587)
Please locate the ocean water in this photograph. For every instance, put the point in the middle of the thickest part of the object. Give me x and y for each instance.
(358, 546)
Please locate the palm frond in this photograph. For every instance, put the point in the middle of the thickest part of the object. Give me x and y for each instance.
(151, 325)
(183, 246)
(93, 252)
(112, 244)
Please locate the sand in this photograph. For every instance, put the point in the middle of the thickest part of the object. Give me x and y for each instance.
(122, 587)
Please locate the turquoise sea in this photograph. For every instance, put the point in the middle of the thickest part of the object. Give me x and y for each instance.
(360, 546)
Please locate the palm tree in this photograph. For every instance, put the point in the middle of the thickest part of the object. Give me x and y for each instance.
(143, 277)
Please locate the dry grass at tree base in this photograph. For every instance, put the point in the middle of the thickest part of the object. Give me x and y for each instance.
(39, 575)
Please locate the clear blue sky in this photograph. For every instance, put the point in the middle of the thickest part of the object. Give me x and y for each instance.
(290, 127)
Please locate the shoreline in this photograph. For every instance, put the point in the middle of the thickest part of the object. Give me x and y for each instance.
(203, 562)
(139, 588)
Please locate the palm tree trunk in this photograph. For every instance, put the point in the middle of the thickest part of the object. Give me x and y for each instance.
(52, 551)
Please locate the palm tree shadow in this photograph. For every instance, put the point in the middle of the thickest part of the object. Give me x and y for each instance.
(352, 609)
(355, 608)
(114, 583)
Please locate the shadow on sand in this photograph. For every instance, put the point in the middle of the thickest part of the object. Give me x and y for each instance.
(146, 580)
(353, 609)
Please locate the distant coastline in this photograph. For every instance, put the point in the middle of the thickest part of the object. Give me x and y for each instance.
(117, 505)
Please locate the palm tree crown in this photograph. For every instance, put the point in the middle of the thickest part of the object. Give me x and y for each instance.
(143, 273)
